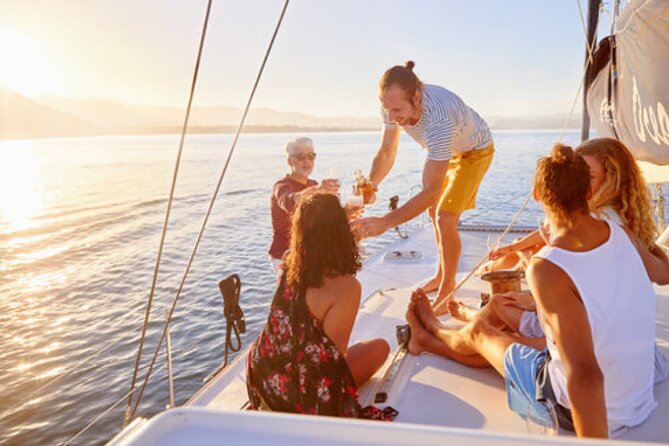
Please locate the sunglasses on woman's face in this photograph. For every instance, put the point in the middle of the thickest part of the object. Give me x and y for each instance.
(303, 156)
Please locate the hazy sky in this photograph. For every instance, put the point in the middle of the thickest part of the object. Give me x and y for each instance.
(512, 57)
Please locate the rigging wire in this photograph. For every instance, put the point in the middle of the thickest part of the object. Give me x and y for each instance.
(589, 47)
(188, 349)
(168, 211)
(209, 210)
(485, 257)
(103, 414)
(636, 7)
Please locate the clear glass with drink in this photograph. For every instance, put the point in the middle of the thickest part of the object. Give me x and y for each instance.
(364, 187)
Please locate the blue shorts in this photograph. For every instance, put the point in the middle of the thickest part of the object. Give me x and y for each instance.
(528, 387)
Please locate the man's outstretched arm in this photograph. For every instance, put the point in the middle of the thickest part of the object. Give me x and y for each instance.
(385, 156)
(433, 177)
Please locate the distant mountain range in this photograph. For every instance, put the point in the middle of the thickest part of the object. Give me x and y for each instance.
(22, 117)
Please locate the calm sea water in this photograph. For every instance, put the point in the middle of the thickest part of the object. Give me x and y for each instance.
(80, 223)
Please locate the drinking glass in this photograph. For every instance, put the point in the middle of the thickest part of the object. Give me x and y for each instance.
(544, 229)
(354, 201)
(491, 242)
(335, 174)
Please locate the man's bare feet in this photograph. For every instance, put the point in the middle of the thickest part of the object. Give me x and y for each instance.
(424, 312)
(461, 311)
(432, 284)
(419, 336)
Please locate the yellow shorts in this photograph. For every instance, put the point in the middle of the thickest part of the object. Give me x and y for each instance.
(463, 178)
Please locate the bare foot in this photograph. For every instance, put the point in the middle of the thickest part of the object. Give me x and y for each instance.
(424, 312)
(461, 311)
(439, 308)
(419, 336)
(432, 284)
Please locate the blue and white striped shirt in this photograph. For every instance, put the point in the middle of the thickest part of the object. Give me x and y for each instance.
(447, 126)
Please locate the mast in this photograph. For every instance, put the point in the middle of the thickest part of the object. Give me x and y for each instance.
(593, 20)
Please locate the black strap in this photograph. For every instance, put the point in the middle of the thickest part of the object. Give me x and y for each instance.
(231, 288)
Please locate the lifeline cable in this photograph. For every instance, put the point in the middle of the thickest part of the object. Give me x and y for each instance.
(211, 205)
(167, 212)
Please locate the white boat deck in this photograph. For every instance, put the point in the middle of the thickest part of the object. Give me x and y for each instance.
(430, 390)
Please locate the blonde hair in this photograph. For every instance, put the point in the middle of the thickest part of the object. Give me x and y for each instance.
(624, 188)
(562, 181)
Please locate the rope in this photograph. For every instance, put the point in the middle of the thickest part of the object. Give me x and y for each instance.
(211, 205)
(168, 211)
(485, 257)
(187, 350)
(571, 111)
(529, 196)
(99, 417)
(590, 48)
(588, 45)
(636, 7)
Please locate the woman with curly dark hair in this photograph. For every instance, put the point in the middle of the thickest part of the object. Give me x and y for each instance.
(301, 361)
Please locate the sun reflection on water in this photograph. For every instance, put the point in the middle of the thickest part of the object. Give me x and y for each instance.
(21, 195)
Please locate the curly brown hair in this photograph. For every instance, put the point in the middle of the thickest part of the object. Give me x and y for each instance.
(624, 188)
(321, 243)
(562, 181)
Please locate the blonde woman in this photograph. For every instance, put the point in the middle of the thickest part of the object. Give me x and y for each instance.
(618, 194)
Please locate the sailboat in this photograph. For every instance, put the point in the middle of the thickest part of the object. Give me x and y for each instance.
(439, 401)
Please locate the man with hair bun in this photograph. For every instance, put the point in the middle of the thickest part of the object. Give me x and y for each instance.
(459, 151)
(300, 157)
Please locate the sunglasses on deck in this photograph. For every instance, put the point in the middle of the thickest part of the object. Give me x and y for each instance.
(303, 156)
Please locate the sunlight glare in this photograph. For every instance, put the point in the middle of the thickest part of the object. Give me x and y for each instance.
(27, 67)
(20, 185)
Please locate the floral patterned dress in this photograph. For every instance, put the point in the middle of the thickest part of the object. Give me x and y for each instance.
(293, 366)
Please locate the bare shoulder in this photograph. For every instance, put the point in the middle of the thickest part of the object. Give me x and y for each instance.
(344, 287)
(541, 269)
(341, 293)
(636, 241)
(545, 276)
(550, 284)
